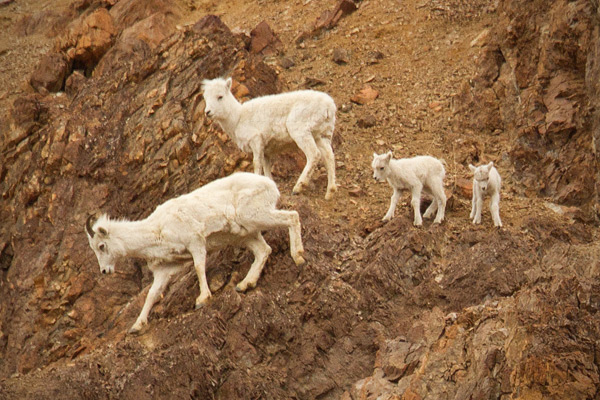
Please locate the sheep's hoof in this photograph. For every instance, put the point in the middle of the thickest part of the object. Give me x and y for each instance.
(200, 304)
(135, 330)
(299, 260)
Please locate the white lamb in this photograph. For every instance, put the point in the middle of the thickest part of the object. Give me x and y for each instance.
(229, 211)
(267, 125)
(416, 174)
(486, 180)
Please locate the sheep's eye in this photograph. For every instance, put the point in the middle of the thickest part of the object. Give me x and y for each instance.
(102, 247)
(220, 98)
(381, 168)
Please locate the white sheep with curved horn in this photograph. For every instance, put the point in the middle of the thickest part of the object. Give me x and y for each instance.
(267, 125)
(229, 211)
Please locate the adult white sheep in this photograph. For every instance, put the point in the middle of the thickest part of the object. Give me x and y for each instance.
(416, 174)
(229, 211)
(486, 181)
(267, 125)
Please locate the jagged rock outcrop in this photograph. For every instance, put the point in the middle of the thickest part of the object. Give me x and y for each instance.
(537, 86)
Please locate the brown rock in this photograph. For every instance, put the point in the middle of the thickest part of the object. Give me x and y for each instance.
(50, 73)
(328, 19)
(366, 95)
(367, 121)
(89, 39)
(264, 41)
(74, 83)
(464, 188)
(340, 56)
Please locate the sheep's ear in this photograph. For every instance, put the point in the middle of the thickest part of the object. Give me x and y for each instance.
(374, 155)
(102, 231)
(472, 168)
(388, 156)
(229, 82)
(490, 165)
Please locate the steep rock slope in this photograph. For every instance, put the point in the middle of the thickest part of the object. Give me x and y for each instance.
(379, 311)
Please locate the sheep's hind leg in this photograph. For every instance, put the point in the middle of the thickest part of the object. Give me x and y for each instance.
(307, 144)
(261, 251)
(273, 219)
(495, 209)
(439, 198)
(416, 204)
(198, 251)
(324, 146)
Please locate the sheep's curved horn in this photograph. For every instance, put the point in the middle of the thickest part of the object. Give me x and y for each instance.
(88, 226)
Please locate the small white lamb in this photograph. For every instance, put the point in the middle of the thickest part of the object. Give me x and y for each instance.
(416, 174)
(486, 180)
(267, 125)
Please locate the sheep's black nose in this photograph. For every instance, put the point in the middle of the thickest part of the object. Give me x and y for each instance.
(208, 113)
(103, 271)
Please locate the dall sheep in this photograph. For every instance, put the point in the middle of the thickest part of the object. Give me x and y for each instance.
(416, 174)
(267, 125)
(229, 211)
(486, 181)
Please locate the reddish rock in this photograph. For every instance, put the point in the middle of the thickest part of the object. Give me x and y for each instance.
(50, 73)
(365, 96)
(464, 188)
(264, 41)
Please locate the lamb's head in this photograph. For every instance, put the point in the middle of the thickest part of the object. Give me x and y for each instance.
(381, 165)
(99, 239)
(218, 97)
(481, 174)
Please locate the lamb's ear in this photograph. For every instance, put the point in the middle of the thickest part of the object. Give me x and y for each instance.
(472, 168)
(374, 155)
(229, 82)
(388, 156)
(490, 165)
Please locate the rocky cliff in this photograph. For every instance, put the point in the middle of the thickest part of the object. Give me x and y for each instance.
(111, 119)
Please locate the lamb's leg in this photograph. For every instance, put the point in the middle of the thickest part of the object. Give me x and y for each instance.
(416, 204)
(432, 208)
(393, 203)
(439, 198)
(307, 144)
(495, 208)
(261, 250)
(473, 201)
(161, 279)
(198, 251)
(324, 146)
(478, 206)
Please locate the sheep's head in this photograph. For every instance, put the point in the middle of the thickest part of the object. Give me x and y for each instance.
(481, 174)
(98, 237)
(381, 165)
(217, 95)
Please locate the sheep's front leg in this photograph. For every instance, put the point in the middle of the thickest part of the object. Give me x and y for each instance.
(495, 209)
(258, 155)
(267, 166)
(473, 200)
(261, 251)
(161, 279)
(478, 206)
(393, 203)
(198, 251)
(416, 204)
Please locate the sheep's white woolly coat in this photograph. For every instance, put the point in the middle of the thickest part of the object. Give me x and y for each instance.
(229, 211)
(269, 124)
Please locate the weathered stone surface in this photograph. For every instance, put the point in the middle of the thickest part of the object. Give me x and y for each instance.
(264, 41)
(365, 96)
(51, 72)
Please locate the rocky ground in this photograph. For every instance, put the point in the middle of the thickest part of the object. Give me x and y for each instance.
(102, 110)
